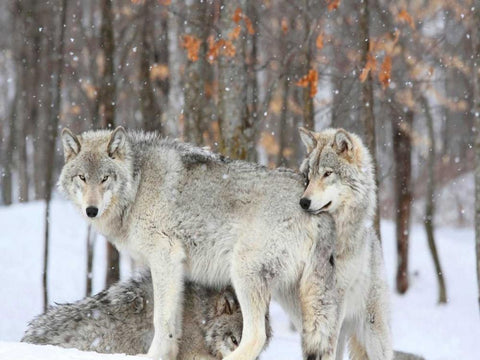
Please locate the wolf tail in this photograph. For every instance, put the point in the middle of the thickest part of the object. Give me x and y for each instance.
(116, 320)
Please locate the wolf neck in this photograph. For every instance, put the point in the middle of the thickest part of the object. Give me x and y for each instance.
(351, 222)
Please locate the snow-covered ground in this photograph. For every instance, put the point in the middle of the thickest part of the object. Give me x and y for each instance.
(419, 325)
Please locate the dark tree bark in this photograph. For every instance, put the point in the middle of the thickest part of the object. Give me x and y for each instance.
(430, 203)
(232, 102)
(107, 103)
(402, 147)
(151, 112)
(367, 116)
(308, 107)
(476, 114)
(52, 131)
(22, 83)
(91, 236)
(198, 76)
(7, 185)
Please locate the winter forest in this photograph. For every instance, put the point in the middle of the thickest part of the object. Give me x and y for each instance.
(241, 77)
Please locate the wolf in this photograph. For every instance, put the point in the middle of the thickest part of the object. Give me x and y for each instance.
(120, 320)
(340, 181)
(190, 214)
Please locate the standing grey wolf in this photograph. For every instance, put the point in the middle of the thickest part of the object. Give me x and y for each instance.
(191, 214)
(341, 182)
(120, 320)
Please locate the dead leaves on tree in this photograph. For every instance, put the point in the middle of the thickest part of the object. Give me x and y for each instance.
(332, 4)
(223, 46)
(310, 80)
(192, 45)
(238, 16)
(404, 17)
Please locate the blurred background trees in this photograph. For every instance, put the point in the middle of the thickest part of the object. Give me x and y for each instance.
(240, 77)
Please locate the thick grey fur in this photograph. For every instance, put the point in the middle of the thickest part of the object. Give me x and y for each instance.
(120, 320)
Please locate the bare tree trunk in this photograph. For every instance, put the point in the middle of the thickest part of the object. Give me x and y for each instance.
(91, 237)
(22, 83)
(308, 107)
(367, 116)
(430, 203)
(198, 76)
(151, 112)
(108, 87)
(107, 103)
(234, 121)
(402, 147)
(52, 131)
(283, 128)
(476, 113)
(8, 160)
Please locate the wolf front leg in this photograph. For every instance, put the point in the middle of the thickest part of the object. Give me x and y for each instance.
(253, 294)
(320, 311)
(166, 265)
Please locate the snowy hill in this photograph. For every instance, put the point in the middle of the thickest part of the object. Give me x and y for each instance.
(420, 326)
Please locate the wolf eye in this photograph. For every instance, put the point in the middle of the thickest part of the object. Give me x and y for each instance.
(105, 178)
(327, 174)
(81, 177)
(234, 340)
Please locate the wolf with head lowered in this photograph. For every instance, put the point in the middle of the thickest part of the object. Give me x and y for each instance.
(189, 214)
(341, 182)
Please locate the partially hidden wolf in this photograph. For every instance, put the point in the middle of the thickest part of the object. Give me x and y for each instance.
(341, 182)
(120, 320)
(190, 214)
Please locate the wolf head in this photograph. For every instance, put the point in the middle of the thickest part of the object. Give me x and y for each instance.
(223, 328)
(338, 172)
(98, 170)
(223, 325)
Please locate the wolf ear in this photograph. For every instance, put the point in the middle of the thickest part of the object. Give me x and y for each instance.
(225, 305)
(342, 142)
(71, 145)
(308, 139)
(118, 143)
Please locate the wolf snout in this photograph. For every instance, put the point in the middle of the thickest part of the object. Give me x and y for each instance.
(305, 203)
(91, 211)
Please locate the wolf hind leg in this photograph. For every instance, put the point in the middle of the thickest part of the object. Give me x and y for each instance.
(166, 266)
(372, 340)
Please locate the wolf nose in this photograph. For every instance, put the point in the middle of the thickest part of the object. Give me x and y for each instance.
(305, 203)
(92, 211)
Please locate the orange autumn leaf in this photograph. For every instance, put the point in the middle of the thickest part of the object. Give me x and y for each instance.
(309, 80)
(249, 25)
(332, 4)
(284, 25)
(235, 33)
(165, 2)
(405, 17)
(319, 41)
(159, 72)
(385, 71)
(237, 15)
(228, 49)
(370, 65)
(225, 47)
(192, 45)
